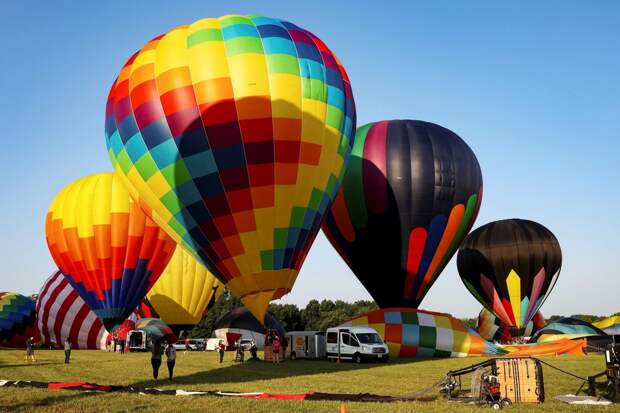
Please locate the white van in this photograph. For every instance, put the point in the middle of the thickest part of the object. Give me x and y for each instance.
(356, 343)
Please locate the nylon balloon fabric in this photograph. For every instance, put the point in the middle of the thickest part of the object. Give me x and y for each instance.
(105, 245)
(235, 132)
(566, 327)
(410, 194)
(62, 314)
(510, 266)
(492, 328)
(184, 291)
(17, 318)
(424, 334)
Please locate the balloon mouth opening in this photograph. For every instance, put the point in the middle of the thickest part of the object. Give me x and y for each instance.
(516, 331)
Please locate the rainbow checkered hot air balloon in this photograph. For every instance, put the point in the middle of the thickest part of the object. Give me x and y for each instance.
(235, 131)
(105, 245)
(17, 319)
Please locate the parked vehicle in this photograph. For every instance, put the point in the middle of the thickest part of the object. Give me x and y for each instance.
(138, 340)
(356, 343)
(246, 344)
(306, 345)
(195, 344)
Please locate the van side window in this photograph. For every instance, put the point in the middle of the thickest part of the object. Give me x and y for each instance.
(345, 338)
(332, 337)
(353, 342)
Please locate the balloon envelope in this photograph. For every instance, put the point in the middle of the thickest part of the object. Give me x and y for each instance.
(410, 194)
(156, 328)
(424, 334)
(61, 314)
(510, 266)
(492, 328)
(184, 291)
(235, 132)
(105, 245)
(566, 327)
(17, 318)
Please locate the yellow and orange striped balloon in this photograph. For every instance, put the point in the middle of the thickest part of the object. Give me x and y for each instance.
(105, 245)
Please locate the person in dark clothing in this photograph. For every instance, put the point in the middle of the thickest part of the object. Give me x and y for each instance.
(156, 351)
(254, 351)
(171, 356)
(221, 348)
(122, 342)
(30, 350)
(67, 350)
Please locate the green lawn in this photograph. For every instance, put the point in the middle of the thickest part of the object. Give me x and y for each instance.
(201, 371)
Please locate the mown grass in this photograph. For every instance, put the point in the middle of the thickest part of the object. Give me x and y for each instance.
(201, 371)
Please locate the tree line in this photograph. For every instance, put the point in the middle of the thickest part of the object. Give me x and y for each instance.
(320, 315)
(316, 315)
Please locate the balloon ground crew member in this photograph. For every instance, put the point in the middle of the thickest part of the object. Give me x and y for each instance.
(30, 350)
(67, 350)
(221, 348)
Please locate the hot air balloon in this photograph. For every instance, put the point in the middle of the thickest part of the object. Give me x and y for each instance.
(184, 291)
(510, 266)
(105, 245)
(492, 328)
(62, 314)
(566, 327)
(424, 334)
(17, 319)
(234, 132)
(410, 194)
(610, 325)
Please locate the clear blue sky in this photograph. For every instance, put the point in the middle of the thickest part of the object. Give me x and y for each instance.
(533, 88)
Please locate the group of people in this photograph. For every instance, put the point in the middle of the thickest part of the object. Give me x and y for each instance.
(67, 345)
(157, 350)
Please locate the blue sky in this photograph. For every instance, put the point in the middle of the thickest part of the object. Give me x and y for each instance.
(532, 87)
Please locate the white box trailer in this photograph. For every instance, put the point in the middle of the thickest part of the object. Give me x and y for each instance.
(305, 345)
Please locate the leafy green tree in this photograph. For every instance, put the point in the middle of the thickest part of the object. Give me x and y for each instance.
(288, 315)
(311, 315)
(225, 303)
(327, 306)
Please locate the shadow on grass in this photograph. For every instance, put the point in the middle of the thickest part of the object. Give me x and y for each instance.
(49, 401)
(43, 363)
(252, 371)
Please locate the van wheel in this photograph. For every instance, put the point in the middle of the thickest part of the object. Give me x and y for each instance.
(293, 356)
(357, 358)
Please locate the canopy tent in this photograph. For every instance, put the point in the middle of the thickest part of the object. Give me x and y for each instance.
(241, 321)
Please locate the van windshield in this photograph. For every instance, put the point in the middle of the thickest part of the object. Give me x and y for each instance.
(369, 338)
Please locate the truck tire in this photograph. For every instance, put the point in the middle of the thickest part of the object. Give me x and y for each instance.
(357, 358)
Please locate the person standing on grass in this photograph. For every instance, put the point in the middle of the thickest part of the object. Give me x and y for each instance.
(275, 349)
(67, 350)
(171, 356)
(221, 348)
(156, 351)
(30, 350)
(187, 347)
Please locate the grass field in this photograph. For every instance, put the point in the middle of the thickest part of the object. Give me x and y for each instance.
(201, 371)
